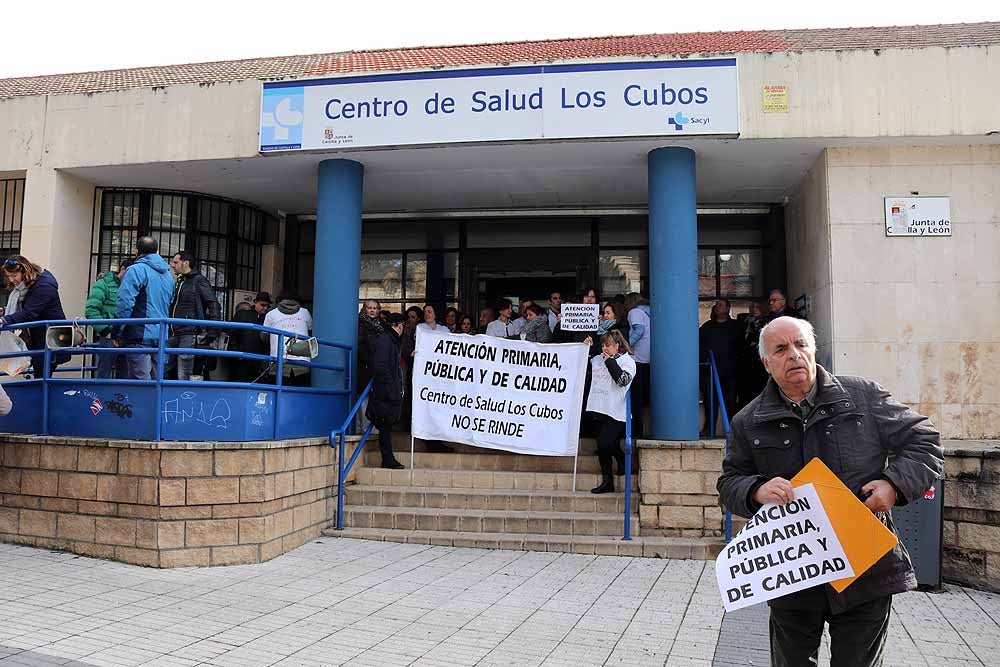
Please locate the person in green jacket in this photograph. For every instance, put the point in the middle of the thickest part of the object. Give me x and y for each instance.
(101, 304)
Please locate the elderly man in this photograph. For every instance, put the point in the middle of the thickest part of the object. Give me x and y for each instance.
(778, 306)
(884, 452)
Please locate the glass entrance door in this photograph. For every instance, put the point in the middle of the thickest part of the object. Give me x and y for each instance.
(525, 273)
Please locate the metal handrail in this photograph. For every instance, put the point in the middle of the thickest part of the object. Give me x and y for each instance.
(161, 350)
(340, 434)
(717, 386)
(628, 465)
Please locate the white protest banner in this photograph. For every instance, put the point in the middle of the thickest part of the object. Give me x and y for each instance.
(579, 316)
(496, 393)
(781, 549)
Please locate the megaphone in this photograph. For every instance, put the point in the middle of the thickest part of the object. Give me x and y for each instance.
(64, 336)
(302, 348)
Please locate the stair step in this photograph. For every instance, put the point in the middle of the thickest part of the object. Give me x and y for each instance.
(488, 521)
(401, 443)
(651, 547)
(483, 479)
(488, 499)
(503, 462)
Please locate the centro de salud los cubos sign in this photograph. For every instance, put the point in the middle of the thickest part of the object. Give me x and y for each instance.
(623, 99)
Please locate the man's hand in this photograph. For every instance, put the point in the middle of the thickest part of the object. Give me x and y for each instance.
(881, 495)
(778, 490)
(117, 343)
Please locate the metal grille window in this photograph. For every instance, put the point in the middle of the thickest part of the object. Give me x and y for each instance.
(168, 222)
(225, 236)
(119, 229)
(11, 212)
(11, 207)
(213, 239)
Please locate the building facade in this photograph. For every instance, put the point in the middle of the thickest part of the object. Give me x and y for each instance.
(797, 180)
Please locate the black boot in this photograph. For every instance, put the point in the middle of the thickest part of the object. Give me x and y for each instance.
(392, 464)
(607, 485)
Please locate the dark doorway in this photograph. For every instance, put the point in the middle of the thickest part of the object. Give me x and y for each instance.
(525, 273)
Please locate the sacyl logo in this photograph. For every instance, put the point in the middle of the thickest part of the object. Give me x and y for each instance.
(678, 120)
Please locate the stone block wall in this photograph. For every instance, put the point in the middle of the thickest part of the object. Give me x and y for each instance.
(166, 504)
(972, 514)
(677, 486)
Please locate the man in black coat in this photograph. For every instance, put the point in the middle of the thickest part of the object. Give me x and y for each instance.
(385, 405)
(248, 340)
(194, 299)
(881, 450)
(778, 306)
(722, 336)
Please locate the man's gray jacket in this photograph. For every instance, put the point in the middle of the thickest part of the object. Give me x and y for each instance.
(862, 434)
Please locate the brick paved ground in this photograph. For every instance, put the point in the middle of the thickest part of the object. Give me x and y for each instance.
(340, 601)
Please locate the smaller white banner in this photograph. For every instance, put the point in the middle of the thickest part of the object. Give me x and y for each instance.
(782, 549)
(579, 316)
(497, 393)
(918, 216)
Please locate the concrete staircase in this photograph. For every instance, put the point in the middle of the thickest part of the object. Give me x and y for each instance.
(497, 500)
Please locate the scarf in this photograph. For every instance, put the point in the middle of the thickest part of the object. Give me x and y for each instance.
(15, 298)
(604, 326)
(374, 323)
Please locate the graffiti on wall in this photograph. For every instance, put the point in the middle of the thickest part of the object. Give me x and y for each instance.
(189, 408)
(119, 406)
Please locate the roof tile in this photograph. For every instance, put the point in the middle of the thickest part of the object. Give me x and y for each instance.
(673, 44)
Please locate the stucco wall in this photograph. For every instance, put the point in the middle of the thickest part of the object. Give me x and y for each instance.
(807, 239)
(920, 314)
(868, 93)
(56, 230)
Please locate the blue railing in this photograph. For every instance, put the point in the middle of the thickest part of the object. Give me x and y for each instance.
(343, 470)
(161, 350)
(715, 393)
(628, 465)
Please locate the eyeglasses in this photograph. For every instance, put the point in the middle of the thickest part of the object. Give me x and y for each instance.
(776, 300)
(11, 262)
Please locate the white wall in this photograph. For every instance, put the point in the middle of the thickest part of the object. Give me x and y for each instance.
(58, 211)
(921, 315)
(807, 240)
(867, 93)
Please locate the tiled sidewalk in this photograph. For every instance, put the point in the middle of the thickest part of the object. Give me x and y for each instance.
(341, 601)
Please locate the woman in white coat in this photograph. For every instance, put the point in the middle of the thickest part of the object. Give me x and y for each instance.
(612, 373)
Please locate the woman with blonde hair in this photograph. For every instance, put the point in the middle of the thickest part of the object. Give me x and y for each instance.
(612, 372)
(34, 296)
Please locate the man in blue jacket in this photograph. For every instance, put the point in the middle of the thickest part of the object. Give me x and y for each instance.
(145, 292)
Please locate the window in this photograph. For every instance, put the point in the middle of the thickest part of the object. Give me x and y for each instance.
(707, 272)
(622, 271)
(381, 277)
(736, 274)
(740, 272)
(11, 209)
(225, 236)
(119, 229)
(403, 279)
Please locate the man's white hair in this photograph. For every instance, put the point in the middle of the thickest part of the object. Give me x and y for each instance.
(803, 326)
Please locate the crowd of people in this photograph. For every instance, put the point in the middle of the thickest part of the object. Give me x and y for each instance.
(733, 343)
(145, 286)
(619, 348)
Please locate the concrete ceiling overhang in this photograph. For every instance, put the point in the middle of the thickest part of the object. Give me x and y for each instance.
(593, 173)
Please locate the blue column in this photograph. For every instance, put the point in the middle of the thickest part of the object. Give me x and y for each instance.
(673, 292)
(337, 272)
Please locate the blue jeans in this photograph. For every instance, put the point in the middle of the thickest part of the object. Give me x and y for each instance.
(141, 365)
(184, 363)
(109, 365)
